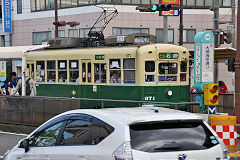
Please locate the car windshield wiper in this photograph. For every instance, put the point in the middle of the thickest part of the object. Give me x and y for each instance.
(168, 146)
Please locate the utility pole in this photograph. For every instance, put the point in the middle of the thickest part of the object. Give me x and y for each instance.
(165, 29)
(233, 23)
(216, 22)
(56, 18)
(237, 69)
(181, 24)
(216, 34)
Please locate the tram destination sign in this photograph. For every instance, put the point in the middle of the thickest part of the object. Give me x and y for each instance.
(168, 55)
(99, 57)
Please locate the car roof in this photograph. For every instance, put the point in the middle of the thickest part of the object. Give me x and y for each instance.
(134, 115)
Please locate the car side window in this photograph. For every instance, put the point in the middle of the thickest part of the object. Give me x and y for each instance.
(100, 130)
(77, 131)
(47, 137)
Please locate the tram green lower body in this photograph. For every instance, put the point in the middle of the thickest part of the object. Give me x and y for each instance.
(136, 93)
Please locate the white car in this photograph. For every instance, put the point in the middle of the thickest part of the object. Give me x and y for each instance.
(144, 133)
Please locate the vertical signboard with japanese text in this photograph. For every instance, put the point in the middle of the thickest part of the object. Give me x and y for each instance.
(7, 16)
(207, 62)
(203, 60)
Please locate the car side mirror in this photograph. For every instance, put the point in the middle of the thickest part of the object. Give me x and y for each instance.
(24, 143)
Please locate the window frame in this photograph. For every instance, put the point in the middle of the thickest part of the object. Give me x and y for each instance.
(44, 80)
(47, 33)
(48, 125)
(94, 71)
(186, 30)
(19, 7)
(75, 33)
(124, 82)
(73, 70)
(65, 119)
(51, 70)
(115, 70)
(168, 75)
(121, 30)
(62, 70)
(169, 29)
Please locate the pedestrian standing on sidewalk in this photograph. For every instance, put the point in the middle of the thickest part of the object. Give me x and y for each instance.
(30, 87)
(6, 88)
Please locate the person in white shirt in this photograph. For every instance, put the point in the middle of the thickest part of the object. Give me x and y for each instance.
(32, 87)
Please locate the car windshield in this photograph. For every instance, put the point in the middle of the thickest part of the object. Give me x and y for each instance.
(171, 136)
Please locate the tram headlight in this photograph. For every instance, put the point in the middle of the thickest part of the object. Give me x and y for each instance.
(169, 93)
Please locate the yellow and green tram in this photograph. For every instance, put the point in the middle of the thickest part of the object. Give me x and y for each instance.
(152, 72)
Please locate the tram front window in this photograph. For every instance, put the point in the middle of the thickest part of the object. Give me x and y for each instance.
(166, 69)
(100, 73)
(149, 66)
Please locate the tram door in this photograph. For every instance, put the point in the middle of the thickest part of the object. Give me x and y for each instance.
(100, 70)
(150, 90)
(86, 71)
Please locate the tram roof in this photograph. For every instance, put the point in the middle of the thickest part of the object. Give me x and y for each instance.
(16, 52)
(220, 53)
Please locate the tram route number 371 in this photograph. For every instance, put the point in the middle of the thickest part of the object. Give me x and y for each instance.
(149, 98)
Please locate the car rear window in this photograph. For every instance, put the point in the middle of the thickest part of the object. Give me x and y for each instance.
(171, 136)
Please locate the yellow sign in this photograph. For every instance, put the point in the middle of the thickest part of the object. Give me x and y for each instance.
(3, 74)
(173, 2)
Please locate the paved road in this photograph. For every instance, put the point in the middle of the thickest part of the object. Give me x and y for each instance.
(8, 140)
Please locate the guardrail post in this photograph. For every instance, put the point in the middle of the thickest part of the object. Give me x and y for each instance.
(176, 107)
(102, 104)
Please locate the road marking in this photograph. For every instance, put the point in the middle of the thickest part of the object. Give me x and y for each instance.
(17, 134)
(1, 156)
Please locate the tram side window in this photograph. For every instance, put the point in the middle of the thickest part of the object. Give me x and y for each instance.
(28, 70)
(83, 72)
(115, 70)
(73, 71)
(62, 71)
(167, 68)
(32, 71)
(40, 71)
(51, 71)
(100, 72)
(89, 75)
(183, 76)
(129, 70)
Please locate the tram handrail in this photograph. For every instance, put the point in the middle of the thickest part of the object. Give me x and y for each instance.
(107, 100)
